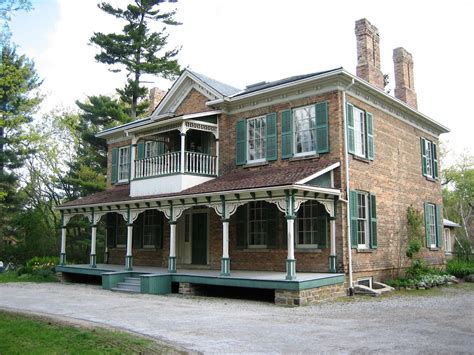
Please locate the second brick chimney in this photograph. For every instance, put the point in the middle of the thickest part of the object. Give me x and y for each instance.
(156, 95)
(404, 82)
(368, 53)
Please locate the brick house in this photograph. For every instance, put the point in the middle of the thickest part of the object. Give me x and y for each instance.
(300, 185)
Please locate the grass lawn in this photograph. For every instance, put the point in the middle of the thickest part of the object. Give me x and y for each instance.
(12, 276)
(21, 334)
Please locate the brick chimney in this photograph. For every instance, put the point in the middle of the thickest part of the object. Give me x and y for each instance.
(155, 97)
(404, 82)
(368, 53)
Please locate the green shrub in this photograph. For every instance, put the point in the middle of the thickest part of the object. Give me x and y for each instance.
(460, 268)
(43, 266)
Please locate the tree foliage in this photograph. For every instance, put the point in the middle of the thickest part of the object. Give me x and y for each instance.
(137, 48)
(7, 9)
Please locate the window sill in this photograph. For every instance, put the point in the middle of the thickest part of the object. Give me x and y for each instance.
(307, 250)
(433, 249)
(304, 157)
(365, 250)
(430, 179)
(361, 159)
(254, 165)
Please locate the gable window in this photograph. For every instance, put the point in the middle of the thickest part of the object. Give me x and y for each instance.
(429, 159)
(363, 216)
(311, 226)
(123, 163)
(360, 132)
(256, 139)
(305, 131)
(304, 121)
(433, 225)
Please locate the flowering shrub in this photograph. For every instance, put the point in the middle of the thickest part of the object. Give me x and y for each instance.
(40, 265)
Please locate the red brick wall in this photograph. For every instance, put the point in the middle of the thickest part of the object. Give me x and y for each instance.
(194, 102)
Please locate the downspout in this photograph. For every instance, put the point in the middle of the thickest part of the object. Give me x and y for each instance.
(346, 157)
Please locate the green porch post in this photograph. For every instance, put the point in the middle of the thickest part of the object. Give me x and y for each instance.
(332, 254)
(129, 255)
(93, 257)
(290, 224)
(225, 260)
(62, 255)
(172, 256)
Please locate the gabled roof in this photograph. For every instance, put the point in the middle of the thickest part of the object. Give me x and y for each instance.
(235, 180)
(221, 87)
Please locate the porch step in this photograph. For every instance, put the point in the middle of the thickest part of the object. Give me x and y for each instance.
(130, 284)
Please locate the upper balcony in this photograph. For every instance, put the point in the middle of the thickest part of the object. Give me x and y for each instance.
(170, 158)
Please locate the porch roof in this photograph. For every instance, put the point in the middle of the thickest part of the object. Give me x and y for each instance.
(294, 174)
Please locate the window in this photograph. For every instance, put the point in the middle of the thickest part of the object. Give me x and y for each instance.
(365, 281)
(150, 228)
(256, 139)
(304, 121)
(123, 163)
(432, 225)
(151, 149)
(257, 225)
(362, 221)
(363, 215)
(116, 231)
(360, 132)
(429, 159)
(447, 240)
(311, 225)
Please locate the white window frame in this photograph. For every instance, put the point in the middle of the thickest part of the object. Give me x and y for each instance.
(364, 221)
(360, 139)
(151, 147)
(362, 279)
(262, 139)
(312, 230)
(310, 130)
(447, 240)
(254, 205)
(432, 225)
(123, 168)
(429, 158)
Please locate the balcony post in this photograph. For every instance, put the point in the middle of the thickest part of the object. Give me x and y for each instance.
(217, 157)
(133, 149)
(183, 148)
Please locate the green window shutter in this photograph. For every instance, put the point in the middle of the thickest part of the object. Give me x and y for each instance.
(353, 216)
(141, 150)
(423, 156)
(271, 217)
(439, 227)
(114, 165)
(322, 129)
(350, 128)
(322, 229)
(373, 221)
(241, 143)
(427, 228)
(241, 227)
(286, 134)
(161, 148)
(271, 137)
(435, 161)
(370, 136)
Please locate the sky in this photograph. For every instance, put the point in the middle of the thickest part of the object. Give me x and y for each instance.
(249, 41)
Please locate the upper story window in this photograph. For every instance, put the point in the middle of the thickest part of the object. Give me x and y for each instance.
(433, 225)
(429, 159)
(256, 139)
(151, 149)
(360, 132)
(123, 164)
(304, 122)
(363, 215)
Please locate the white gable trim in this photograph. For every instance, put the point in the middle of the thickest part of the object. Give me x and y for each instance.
(319, 173)
(180, 89)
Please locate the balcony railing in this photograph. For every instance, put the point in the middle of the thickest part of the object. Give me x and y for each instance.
(170, 163)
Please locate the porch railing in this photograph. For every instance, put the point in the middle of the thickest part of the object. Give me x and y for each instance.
(170, 163)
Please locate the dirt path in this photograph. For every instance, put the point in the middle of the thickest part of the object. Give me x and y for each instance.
(441, 323)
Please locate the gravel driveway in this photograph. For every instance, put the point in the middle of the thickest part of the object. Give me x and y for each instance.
(431, 324)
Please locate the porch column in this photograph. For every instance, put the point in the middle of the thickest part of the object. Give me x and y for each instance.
(183, 146)
(290, 226)
(62, 256)
(129, 257)
(332, 255)
(217, 156)
(172, 256)
(225, 261)
(93, 257)
(133, 150)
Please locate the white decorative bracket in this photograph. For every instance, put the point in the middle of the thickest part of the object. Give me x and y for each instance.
(177, 211)
(328, 206)
(281, 204)
(230, 208)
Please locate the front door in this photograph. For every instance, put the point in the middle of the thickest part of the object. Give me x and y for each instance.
(199, 238)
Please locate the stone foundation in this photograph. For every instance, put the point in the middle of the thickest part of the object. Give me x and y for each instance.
(310, 296)
(188, 289)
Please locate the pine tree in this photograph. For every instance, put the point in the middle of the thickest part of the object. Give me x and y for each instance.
(138, 49)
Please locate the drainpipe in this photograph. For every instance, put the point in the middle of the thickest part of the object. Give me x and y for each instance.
(346, 157)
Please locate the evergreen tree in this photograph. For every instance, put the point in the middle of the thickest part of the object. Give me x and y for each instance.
(138, 49)
(19, 100)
